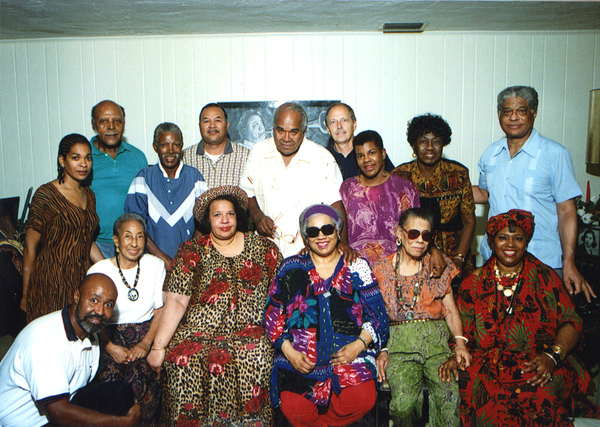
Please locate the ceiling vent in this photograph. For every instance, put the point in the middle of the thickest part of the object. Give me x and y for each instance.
(404, 27)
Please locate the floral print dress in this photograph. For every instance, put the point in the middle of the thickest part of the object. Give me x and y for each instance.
(319, 317)
(218, 363)
(494, 390)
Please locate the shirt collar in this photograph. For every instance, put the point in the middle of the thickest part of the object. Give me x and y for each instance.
(530, 147)
(69, 330)
(177, 172)
(97, 152)
(228, 147)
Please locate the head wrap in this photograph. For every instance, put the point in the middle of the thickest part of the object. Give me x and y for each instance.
(514, 217)
(205, 199)
(319, 209)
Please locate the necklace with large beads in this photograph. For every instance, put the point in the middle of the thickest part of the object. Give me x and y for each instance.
(507, 282)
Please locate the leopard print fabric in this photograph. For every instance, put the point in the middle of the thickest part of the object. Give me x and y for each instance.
(218, 364)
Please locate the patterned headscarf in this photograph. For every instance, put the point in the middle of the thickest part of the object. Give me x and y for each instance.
(514, 217)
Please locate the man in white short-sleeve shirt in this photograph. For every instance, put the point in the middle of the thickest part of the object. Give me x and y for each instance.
(287, 173)
(54, 357)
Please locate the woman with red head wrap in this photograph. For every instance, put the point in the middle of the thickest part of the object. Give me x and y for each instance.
(521, 325)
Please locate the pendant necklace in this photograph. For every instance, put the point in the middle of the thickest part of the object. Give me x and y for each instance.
(133, 293)
(503, 280)
(410, 314)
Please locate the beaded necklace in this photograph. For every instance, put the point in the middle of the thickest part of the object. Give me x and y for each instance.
(133, 293)
(409, 308)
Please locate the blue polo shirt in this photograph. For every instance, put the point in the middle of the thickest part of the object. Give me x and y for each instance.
(536, 178)
(166, 204)
(110, 182)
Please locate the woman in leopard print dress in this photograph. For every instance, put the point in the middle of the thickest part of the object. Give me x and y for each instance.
(216, 359)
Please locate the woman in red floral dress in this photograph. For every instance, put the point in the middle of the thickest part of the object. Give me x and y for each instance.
(522, 326)
(210, 343)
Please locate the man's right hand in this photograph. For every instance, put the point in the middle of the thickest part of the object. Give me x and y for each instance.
(132, 417)
(265, 226)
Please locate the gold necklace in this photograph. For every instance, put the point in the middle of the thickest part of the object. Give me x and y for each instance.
(223, 246)
(508, 291)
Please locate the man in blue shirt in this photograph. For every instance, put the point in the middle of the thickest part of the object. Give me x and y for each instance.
(164, 195)
(115, 164)
(527, 171)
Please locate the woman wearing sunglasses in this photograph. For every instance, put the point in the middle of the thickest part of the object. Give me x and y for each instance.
(327, 322)
(422, 313)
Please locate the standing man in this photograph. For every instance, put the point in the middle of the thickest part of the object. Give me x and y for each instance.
(527, 171)
(287, 173)
(341, 125)
(165, 194)
(44, 377)
(219, 160)
(115, 164)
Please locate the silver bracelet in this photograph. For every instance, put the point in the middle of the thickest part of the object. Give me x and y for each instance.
(364, 342)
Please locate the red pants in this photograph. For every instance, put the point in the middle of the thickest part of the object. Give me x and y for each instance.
(350, 406)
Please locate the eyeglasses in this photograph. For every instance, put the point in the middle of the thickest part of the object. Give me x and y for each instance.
(278, 232)
(414, 234)
(327, 230)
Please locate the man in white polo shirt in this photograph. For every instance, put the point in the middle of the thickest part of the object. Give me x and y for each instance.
(56, 356)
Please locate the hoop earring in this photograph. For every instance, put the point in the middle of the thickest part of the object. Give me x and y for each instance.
(414, 155)
(398, 242)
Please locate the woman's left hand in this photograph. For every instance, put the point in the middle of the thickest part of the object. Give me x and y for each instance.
(347, 353)
(463, 357)
(139, 351)
(542, 366)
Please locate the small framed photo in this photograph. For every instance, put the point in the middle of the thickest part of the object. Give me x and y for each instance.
(588, 242)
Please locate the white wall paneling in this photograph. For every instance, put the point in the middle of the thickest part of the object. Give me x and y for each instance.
(47, 87)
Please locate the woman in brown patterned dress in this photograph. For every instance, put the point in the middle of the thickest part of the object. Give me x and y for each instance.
(211, 342)
(59, 239)
(444, 187)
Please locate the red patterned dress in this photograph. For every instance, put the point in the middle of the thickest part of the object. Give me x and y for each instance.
(218, 363)
(494, 391)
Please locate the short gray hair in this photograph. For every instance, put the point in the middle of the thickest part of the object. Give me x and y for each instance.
(292, 106)
(317, 209)
(528, 93)
(340, 104)
(126, 217)
(166, 127)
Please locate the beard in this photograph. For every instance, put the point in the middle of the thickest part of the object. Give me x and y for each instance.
(90, 327)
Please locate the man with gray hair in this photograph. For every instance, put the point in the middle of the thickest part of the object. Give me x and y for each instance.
(527, 171)
(164, 195)
(287, 173)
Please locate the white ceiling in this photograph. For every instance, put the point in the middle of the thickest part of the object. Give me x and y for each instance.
(25, 19)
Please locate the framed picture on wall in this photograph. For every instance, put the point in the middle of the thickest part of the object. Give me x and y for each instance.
(250, 122)
(588, 240)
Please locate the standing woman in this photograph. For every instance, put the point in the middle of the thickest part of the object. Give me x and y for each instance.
(127, 340)
(444, 187)
(59, 240)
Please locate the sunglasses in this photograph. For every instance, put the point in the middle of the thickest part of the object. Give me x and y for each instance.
(327, 230)
(414, 234)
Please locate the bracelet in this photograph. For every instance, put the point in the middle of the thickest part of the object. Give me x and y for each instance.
(462, 338)
(560, 350)
(364, 342)
(551, 358)
(158, 348)
(460, 257)
(384, 349)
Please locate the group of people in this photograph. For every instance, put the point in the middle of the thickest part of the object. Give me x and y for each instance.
(227, 281)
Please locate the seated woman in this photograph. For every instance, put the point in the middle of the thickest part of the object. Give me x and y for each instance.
(422, 312)
(327, 321)
(210, 342)
(443, 185)
(139, 279)
(521, 325)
